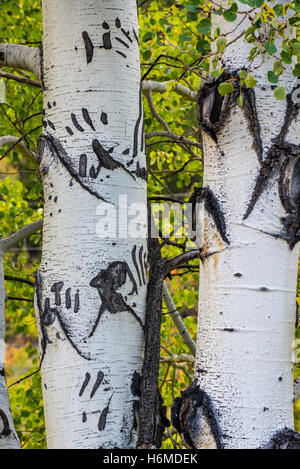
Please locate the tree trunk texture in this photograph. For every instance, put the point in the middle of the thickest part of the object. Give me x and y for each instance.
(91, 285)
(248, 226)
(8, 436)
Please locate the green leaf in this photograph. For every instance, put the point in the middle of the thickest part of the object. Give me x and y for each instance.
(296, 71)
(250, 81)
(204, 26)
(280, 93)
(225, 88)
(229, 16)
(221, 44)
(272, 77)
(270, 48)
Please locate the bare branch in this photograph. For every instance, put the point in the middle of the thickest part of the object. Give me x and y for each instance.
(185, 257)
(162, 87)
(16, 141)
(25, 232)
(182, 358)
(178, 321)
(21, 57)
(24, 80)
(175, 137)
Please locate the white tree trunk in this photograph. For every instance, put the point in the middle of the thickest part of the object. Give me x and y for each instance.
(249, 271)
(91, 288)
(8, 435)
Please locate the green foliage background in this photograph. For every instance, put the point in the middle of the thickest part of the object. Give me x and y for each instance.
(176, 46)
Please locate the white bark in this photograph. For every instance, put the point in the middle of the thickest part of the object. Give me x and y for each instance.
(247, 286)
(8, 436)
(22, 57)
(92, 105)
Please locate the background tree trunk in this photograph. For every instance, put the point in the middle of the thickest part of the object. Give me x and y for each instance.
(91, 285)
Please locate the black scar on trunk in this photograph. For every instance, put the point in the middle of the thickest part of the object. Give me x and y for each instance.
(6, 428)
(188, 412)
(89, 47)
(212, 206)
(214, 109)
(103, 416)
(47, 316)
(284, 439)
(107, 282)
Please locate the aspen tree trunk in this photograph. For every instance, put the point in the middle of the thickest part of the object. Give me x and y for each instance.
(91, 285)
(248, 226)
(8, 435)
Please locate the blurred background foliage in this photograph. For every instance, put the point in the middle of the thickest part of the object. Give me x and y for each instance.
(175, 47)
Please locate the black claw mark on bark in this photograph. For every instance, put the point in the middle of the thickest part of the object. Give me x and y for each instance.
(6, 429)
(103, 416)
(76, 304)
(127, 35)
(212, 206)
(137, 125)
(68, 298)
(118, 23)
(133, 255)
(104, 118)
(48, 315)
(56, 288)
(98, 382)
(107, 41)
(89, 47)
(136, 37)
(57, 150)
(193, 414)
(84, 384)
(122, 54)
(70, 131)
(284, 439)
(105, 159)
(87, 118)
(107, 282)
(122, 42)
(82, 165)
(76, 123)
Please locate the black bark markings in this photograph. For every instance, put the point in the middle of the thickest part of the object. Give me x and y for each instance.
(98, 382)
(190, 411)
(103, 416)
(87, 118)
(89, 47)
(214, 109)
(137, 125)
(48, 315)
(107, 283)
(6, 428)
(105, 159)
(82, 165)
(104, 118)
(282, 159)
(84, 384)
(57, 149)
(76, 123)
(285, 438)
(100, 377)
(212, 206)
